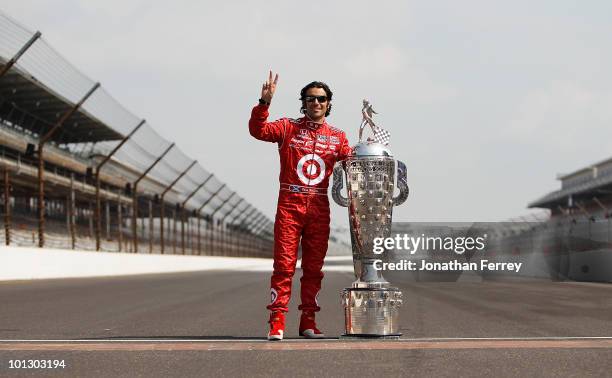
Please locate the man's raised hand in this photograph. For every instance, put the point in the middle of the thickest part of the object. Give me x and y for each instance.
(268, 88)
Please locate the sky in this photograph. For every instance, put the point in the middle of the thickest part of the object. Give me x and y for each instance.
(486, 101)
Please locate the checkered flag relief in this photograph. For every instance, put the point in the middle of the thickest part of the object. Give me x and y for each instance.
(382, 136)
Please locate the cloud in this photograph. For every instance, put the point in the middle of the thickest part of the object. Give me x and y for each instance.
(561, 116)
(378, 61)
(393, 67)
(484, 97)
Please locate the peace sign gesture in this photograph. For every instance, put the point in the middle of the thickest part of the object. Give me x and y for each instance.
(268, 88)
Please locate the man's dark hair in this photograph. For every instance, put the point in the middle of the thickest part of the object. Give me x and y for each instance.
(316, 84)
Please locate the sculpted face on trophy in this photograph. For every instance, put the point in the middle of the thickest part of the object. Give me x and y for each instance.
(371, 305)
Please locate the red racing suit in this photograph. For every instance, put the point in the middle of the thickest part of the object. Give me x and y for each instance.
(308, 152)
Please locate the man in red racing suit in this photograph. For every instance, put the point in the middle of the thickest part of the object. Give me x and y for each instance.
(308, 148)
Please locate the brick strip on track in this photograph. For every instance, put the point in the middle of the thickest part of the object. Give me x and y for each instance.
(290, 345)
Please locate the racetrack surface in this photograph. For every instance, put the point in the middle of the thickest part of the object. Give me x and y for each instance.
(205, 323)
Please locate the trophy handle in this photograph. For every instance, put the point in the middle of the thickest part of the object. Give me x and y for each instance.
(337, 187)
(402, 184)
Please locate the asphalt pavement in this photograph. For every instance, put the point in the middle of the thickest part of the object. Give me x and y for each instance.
(214, 323)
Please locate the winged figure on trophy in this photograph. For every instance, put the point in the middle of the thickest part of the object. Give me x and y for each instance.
(381, 135)
(371, 304)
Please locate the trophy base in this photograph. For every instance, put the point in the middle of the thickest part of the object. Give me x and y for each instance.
(371, 312)
(369, 337)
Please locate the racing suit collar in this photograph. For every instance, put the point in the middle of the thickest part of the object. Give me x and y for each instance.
(312, 124)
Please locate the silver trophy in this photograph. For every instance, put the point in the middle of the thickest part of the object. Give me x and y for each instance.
(371, 304)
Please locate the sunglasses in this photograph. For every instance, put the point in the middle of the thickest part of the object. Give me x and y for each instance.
(320, 99)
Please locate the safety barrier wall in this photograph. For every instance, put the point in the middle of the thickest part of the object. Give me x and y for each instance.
(174, 186)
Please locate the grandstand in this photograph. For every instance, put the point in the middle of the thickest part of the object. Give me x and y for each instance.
(80, 171)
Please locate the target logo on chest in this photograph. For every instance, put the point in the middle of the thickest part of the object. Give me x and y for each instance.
(311, 169)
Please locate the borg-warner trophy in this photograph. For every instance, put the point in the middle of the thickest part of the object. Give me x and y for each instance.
(371, 304)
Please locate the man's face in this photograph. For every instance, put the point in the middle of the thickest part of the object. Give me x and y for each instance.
(315, 108)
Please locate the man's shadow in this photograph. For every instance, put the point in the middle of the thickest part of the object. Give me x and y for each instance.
(196, 338)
